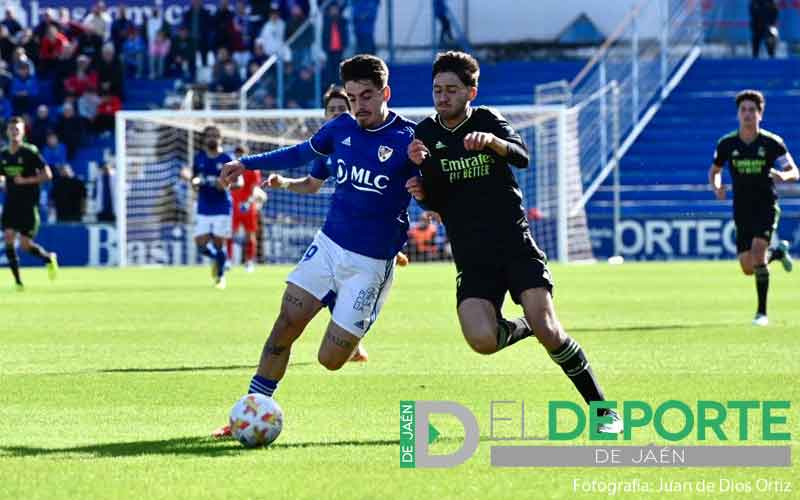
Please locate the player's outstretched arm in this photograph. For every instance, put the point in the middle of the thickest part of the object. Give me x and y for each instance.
(715, 181)
(302, 185)
(514, 153)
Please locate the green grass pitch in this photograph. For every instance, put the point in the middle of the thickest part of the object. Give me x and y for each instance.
(111, 380)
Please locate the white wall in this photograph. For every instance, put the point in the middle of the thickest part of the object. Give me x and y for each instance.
(497, 21)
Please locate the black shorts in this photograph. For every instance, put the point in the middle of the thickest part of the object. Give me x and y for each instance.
(514, 270)
(759, 222)
(25, 221)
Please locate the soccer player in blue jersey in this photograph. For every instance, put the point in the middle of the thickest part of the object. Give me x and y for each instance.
(213, 221)
(336, 103)
(351, 259)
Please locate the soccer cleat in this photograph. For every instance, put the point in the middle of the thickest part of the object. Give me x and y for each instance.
(20, 287)
(220, 283)
(52, 266)
(786, 259)
(222, 433)
(760, 320)
(249, 267)
(401, 259)
(614, 427)
(359, 355)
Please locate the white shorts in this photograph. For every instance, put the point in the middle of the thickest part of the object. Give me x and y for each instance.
(218, 225)
(355, 285)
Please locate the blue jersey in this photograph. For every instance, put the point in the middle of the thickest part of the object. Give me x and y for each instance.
(368, 212)
(210, 199)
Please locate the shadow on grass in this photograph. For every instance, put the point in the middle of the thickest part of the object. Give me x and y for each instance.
(186, 446)
(647, 328)
(189, 368)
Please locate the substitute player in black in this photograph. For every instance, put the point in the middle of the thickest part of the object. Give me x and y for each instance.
(757, 159)
(464, 154)
(23, 169)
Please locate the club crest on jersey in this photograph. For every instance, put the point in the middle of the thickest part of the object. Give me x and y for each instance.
(384, 153)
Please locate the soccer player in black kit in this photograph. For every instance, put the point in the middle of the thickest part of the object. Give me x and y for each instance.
(464, 154)
(23, 169)
(757, 159)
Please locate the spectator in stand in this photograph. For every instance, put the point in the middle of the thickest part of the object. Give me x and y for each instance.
(223, 56)
(222, 21)
(10, 22)
(133, 53)
(5, 77)
(110, 73)
(422, 241)
(365, 13)
(6, 44)
(20, 58)
(47, 18)
(29, 47)
(301, 47)
(197, 21)
(54, 152)
(273, 34)
(334, 42)
(109, 105)
(87, 109)
(229, 80)
(241, 35)
(68, 195)
(40, 126)
(120, 28)
(301, 92)
(259, 55)
(98, 22)
(764, 25)
(105, 194)
(181, 58)
(84, 78)
(159, 53)
(6, 108)
(51, 50)
(70, 129)
(153, 23)
(440, 12)
(24, 90)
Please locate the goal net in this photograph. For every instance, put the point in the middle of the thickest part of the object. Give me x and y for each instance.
(155, 208)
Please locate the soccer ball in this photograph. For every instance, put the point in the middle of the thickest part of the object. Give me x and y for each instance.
(256, 420)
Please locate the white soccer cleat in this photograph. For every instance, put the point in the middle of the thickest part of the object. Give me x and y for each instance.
(760, 320)
(220, 284)
(614, 427)
(249, 267)
(786, 260)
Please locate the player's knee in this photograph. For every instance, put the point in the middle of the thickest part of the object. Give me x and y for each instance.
(482, 341)
(287, 326)
(331, 361)
(549, 333)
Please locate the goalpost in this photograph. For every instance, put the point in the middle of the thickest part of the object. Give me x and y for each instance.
(155, 208)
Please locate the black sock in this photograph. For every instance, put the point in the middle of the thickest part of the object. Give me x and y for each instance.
(762, 286)
(204, 250)
(511, 332)
(775, 254)
(573, 361)
(13, 262)
(38, 251)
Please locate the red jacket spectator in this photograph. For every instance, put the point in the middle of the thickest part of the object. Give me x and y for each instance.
(83, 79)
(52, 45)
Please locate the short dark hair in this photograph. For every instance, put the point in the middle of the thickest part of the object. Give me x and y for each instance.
(335, 92)
(364, 67)
(462, 64)
(751, 95)
(15, 119)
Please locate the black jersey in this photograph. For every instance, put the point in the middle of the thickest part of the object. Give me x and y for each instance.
(749, 166)
(27, 162)
(475, 192)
